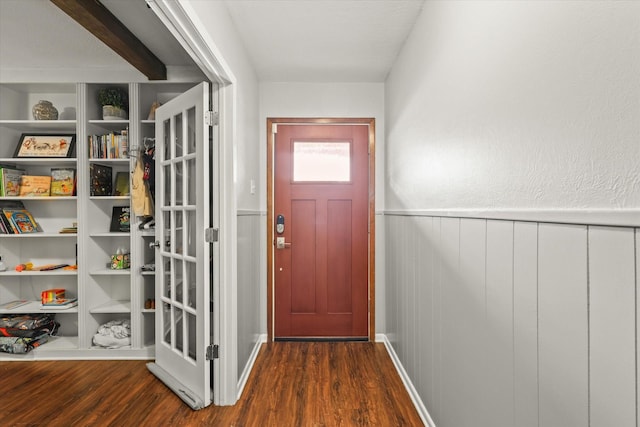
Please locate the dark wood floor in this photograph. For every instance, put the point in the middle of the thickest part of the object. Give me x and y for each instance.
(292, 384)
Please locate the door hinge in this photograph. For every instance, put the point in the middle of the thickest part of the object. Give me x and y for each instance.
(211, 235)
(212, 352)
(211, 118)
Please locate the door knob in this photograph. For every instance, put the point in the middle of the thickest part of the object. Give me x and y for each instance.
(281, 243)
(155, 244)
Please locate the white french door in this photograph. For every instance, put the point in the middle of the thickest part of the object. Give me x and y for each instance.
(184, 248)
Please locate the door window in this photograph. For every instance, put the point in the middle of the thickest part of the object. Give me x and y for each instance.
(321, 161)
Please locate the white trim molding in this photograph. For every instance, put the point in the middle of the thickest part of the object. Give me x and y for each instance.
(413, 393)
(182, 22)
(607, 217)
(242, 382)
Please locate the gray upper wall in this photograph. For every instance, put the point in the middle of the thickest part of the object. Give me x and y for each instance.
(516, 105)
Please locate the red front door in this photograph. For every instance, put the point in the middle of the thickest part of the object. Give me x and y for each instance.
(321, 231)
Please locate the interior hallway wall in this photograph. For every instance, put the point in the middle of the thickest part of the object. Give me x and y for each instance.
(520, 104)
(504, 323)
(525, 111)
(354, 100)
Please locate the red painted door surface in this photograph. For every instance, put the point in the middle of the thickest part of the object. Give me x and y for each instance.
(321, 266)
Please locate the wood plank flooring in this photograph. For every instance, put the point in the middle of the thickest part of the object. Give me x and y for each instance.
(292, 384)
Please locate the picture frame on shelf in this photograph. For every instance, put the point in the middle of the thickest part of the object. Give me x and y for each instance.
(44, 145)
(120, 219)
(122, 184)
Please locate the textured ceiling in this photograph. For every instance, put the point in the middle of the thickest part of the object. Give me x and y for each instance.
(287, 40)
(323, 40)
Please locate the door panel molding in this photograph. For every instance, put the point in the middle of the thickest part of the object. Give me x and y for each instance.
(272, 124)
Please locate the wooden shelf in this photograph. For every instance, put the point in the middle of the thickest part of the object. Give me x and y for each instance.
(40, 199)
(110, 272)
(112, 307)
(40, 125)
(45, 161)
(34, 307)
(109, 198)
(59, 272)
(110, 234)
(40, 235)
(109, 160)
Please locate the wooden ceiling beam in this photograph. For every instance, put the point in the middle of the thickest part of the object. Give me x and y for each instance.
(100, 22)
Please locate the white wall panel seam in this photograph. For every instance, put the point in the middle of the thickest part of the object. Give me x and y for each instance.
(538, 316)
(513, 317)
(588, 328)
(636, 241)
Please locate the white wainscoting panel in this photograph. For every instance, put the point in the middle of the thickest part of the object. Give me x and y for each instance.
(499, 403)
(562, 325)
(612, 335)
(525, 324)
(424, 354)
(250, 286)
(453, 351)
(501, 323)
(470, 302)
(391, 247)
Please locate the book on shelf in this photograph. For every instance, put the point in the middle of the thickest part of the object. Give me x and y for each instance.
(35, 186)
(60, 303)
(120, 219)
(16, 219)
(5, 224)
(54, 306)
(70, 230)
(122, 184)
(21, 220)
(114, 145)
(55, 299)
(10, 181)
(63, 181)
(14, 304)
(101, 179)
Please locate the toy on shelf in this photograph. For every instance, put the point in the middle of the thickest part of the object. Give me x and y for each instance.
(24, 267)
(28, 266)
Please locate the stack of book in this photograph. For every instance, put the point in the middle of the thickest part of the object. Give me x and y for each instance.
(70, 230)
(54, 299)
(16, 219)
(60, 304)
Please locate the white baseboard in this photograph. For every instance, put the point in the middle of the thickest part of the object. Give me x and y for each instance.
(242, 382)
(413, 393)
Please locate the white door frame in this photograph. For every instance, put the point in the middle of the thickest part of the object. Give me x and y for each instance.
(272, 124)
(181, 20)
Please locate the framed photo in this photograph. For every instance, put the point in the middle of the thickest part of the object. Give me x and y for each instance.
(45, 145)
